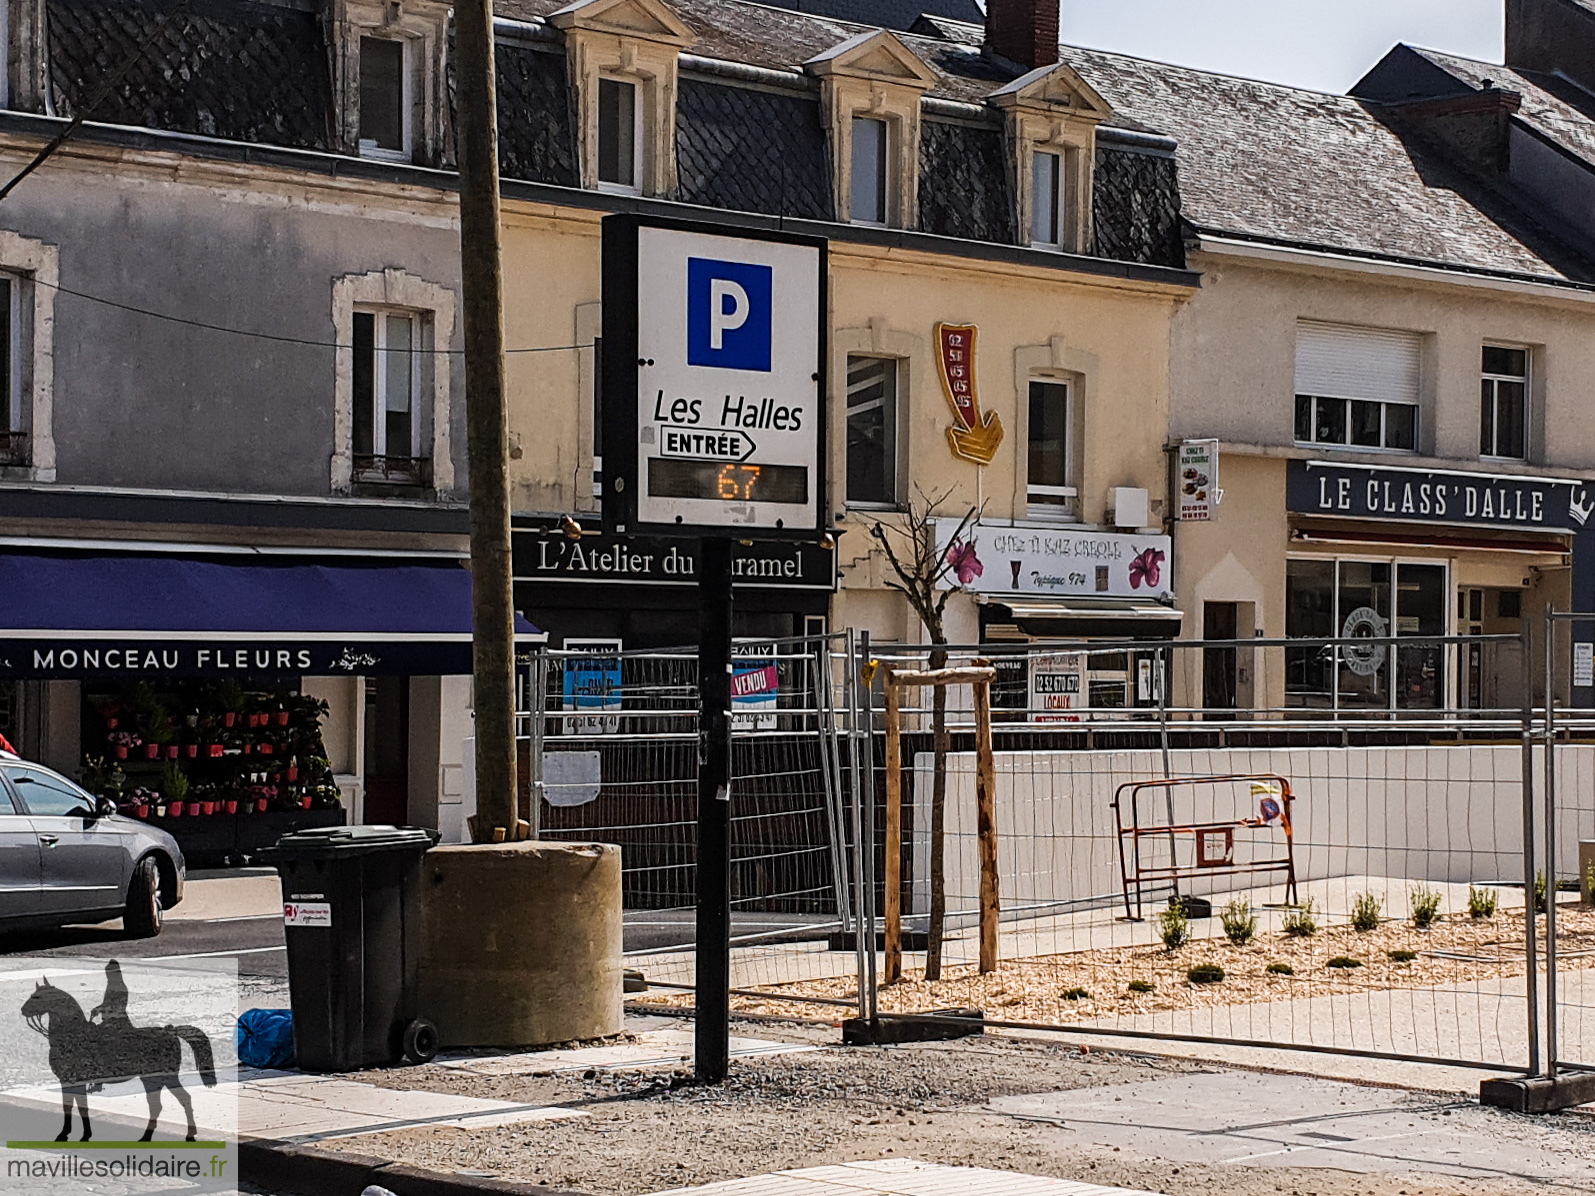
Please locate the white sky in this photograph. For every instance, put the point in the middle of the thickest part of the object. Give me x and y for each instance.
(1323, 44)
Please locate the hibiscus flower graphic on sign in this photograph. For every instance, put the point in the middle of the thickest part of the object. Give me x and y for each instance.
(1147, 569)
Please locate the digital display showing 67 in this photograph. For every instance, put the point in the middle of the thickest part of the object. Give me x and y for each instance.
(729, 481)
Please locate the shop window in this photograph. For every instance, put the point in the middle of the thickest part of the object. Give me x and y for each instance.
(1504, 401)
(1350, 600)
(1050, 491)
(1357, 387)
(1046, 199)
(872, 430)
(870, 148)
(384, 99)
(619, 136)
(13, 436)
(387, 398)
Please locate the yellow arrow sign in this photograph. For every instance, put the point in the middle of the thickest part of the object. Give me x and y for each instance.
(974, 437)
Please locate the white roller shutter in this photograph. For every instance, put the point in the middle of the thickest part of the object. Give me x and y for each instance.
(1341, 361)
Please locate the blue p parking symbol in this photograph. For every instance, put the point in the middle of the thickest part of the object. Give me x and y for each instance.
(728, 314)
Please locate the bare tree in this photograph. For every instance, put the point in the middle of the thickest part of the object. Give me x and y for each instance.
(922, 568)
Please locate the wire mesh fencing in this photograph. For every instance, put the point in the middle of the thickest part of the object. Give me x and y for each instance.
(1345, 881)
(616, 746)
(1564, 882)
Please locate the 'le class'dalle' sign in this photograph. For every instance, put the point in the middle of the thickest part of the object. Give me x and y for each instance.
(1431, 496)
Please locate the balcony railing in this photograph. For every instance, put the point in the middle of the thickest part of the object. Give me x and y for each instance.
(393, 471)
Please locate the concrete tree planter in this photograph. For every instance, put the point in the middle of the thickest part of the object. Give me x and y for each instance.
(521, 943)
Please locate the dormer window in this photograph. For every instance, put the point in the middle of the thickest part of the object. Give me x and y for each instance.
(871, 86)
(1046, 199)
(871, 137)
(619, 136)
(389, 78)
(384, 99)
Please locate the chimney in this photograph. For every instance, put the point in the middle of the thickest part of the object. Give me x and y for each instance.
(1023, 31)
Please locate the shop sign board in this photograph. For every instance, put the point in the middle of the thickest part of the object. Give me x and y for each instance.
(1439, 496)
(1583, 664)
(644, 560)
(131, 655)
(1196, 480)
(1029, 559)
(1058, 687)
(714, 380)
(593, 686)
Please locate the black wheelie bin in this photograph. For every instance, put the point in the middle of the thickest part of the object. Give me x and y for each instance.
(352, 922)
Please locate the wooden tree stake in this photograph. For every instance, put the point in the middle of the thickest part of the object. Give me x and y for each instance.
(986, 825)
(894, 832)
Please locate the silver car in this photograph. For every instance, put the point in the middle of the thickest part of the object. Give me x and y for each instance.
(67, 856)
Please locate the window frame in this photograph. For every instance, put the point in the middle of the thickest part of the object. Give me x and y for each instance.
(406, 101)
(883, 172)
(48, 774)
(381, 359)
(1058, 198)
(1066, 511)
(1493, 381)
(638, 132)
(1347, 443)
(891, 426)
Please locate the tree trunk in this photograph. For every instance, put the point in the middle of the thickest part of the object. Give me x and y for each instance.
(938, 820)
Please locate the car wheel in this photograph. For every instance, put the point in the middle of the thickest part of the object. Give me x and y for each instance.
(143, 917)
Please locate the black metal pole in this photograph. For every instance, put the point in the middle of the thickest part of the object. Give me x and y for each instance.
(713, 1029)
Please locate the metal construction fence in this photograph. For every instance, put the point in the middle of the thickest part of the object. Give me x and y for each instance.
(1376, 865)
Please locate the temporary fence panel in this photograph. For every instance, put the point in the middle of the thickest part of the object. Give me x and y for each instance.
(619, 758)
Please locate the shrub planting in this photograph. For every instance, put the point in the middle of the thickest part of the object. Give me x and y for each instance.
(1365, 912)
(1205, 973)
(1402, 955)
(1425, 905)
(1482, 902)
(1281, 969)
(1344, 961)
(1142, 986)
(1076, 994)
(1173, 927)
(1240, 921)
(1300, 923)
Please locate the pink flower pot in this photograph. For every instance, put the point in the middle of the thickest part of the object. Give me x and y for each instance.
(293, 772)
(171, 751)
(305, 801)
(110, 723)
(215, 751)
(228, 717)
(195, 809)
(232, 807)
(191, 750)
(121, 752)
(281, 718)
(175, 809)
(142, 811)
(266, 749)
(151, 750)
(261, 805)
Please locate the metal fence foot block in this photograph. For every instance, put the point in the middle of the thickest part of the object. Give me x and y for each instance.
(1539, 1094)
(938, 1026)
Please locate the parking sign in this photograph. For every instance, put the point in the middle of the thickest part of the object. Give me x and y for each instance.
(714, 380)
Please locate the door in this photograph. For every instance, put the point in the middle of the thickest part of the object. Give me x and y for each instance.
(387, 762)
(1220, 621)
(84, 861)
(1470, 672)
(19, 861)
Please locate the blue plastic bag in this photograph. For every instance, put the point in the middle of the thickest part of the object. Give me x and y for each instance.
(266, 1038)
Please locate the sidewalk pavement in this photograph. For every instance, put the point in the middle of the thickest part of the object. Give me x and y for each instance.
(900, 1177)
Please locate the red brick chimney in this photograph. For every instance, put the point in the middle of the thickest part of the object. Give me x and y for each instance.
(1023, 31)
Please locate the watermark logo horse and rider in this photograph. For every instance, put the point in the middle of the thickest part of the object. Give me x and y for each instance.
(156, 1032)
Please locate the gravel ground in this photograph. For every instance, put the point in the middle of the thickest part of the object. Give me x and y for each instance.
(1456, 952)
(646, 1132)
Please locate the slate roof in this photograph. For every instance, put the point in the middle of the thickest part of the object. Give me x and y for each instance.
(227, 68)
(964, 187)
(892, 14)
(1549, 114)
(1282, 164)
(752, 150)
(541, 150)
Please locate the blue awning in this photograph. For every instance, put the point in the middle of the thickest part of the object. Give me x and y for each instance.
(76, 616)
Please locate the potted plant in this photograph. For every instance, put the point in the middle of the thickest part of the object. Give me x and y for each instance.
(103, 778)
(174, 783)
(230, 697)
(123, 742)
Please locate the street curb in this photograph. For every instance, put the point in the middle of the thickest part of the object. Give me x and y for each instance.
(288, 1170)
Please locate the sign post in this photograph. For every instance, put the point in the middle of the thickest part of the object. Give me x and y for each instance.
(714, 429)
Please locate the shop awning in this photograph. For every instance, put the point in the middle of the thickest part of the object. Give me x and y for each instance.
(121, 616)
(1082, 618)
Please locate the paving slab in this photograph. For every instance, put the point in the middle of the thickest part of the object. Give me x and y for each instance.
(1293, 1121)
(234, 894)
(900, 1177)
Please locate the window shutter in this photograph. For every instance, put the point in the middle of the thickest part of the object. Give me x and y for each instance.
(1339, 361)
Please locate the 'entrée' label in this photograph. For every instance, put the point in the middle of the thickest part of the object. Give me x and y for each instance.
(307, 913)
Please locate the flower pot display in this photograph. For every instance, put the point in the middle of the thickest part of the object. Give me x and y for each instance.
(228, 717)
(175, 809)
(171, 751)
(191, 750)
(142, 811)
(305, 801)
(266, 749)
(260, 805)
(110, 723)
(121, 752)
(232, 805)
(281, 718)
(151, 750)
(293, 772)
